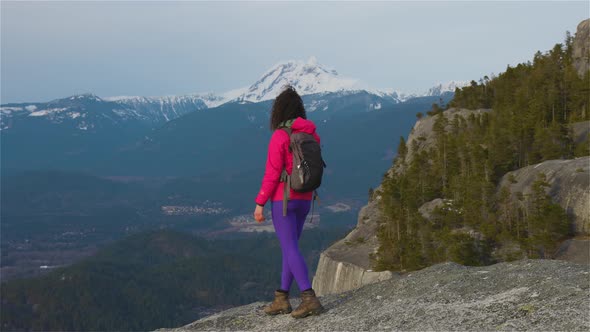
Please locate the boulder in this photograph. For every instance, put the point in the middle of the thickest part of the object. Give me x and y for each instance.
(569, 186)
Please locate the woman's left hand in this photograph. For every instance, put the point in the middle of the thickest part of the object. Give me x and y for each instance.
(259, 213)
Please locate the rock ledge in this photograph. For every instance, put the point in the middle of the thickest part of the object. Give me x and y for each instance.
(535, 295)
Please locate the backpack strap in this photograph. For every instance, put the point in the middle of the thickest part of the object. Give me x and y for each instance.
(315, 197)
(286, 192)
(288, 130)
(286, 178)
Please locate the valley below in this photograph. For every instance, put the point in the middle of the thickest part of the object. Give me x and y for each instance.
(59, 227)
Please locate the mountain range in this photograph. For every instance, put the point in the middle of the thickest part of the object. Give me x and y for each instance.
(129, 135)
(88, 111)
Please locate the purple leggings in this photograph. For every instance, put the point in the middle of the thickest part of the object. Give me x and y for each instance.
(288, 231)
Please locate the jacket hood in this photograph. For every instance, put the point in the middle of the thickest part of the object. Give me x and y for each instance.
(303, 125)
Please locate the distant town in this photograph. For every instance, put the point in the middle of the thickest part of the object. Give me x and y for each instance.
(206, 208)
(246, 223)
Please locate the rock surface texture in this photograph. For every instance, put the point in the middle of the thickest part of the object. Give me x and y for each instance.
(569, 182)
(575, 250)
(423, 134)
(581, 48)
(526, 295)
(345, 265)
(581, 131)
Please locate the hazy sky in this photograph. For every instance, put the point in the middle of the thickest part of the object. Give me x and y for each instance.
(56, 49)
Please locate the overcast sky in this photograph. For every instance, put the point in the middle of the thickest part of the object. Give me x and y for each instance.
(56, 49)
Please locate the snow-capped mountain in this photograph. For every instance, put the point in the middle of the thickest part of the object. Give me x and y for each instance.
(209, 99)
(448, 87)
(306, 77)
(87, 111)
(396, 95)
(161, 109)
(311, 78)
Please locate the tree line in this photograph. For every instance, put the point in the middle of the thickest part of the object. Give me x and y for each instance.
(532, 108)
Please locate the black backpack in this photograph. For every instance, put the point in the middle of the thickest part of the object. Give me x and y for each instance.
(308, 165)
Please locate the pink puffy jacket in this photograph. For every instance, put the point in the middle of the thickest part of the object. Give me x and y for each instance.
(279, 157)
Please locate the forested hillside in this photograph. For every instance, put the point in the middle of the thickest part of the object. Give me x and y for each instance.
(153, 279)
(533, 108)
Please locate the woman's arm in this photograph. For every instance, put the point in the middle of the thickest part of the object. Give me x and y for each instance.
(275, 162)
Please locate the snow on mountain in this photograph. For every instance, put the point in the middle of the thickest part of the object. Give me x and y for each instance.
(311, 77)
(84, 97)
(209, 99)
(122, 110)
(48, 111)
(7, 110)
(214, 100)
(442, 88)
(396, 95)
(164, 100)
(306, 77)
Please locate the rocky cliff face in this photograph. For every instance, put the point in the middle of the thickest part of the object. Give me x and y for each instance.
(581, 132)
(423, 134)
(346, 265)
(581, 48)
(533, 295)
(569, 182)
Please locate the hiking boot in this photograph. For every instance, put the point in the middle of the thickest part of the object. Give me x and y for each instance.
(310, 305)
(280, 305)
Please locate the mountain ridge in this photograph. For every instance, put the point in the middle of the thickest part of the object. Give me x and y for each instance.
(308, 77)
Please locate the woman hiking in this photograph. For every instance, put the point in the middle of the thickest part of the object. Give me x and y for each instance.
(287, 111)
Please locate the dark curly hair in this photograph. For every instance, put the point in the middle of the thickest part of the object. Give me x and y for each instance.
(288, 105)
